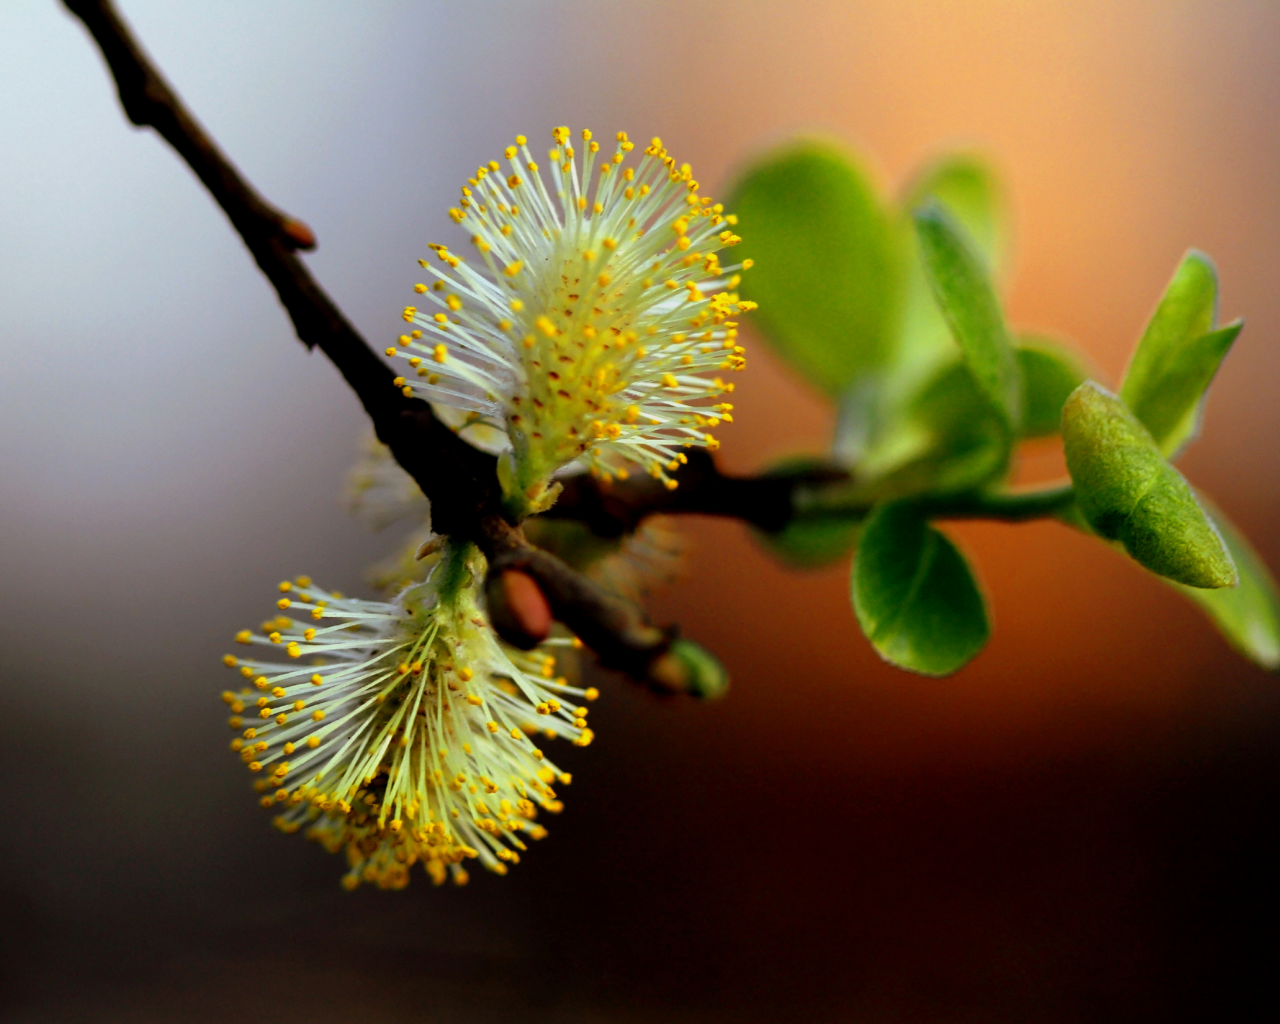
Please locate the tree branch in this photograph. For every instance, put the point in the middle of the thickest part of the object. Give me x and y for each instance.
(613, 627)
(459, 480)
(767, 502)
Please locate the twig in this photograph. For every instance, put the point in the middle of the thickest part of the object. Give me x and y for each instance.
(767, 502)
(459, 480)
(613, 627)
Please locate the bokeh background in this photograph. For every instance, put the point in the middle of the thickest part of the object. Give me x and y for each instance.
(1082, 825)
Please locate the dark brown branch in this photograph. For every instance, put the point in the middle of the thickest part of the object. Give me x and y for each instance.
(459, 480)
(148, 101)
(613, 627)
(767, 502)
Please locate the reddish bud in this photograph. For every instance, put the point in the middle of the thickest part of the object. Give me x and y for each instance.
(518, 608)
(299, 234)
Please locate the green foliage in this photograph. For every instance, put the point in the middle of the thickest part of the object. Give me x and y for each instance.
(812, 540)
(1049, 374)
(971, 192)
(967, 186)
(1129, 492)
(1178, 356)
(926, 426)
(962, 439)
(892, 433)
(905, 330)
(704, 675)
(813, 537)
(1185, 312)
(1247, 615)
(1170, 405)
(829, 262)
(914, 594)
(968, 301)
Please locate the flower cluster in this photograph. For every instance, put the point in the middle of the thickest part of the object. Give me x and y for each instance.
(597, 326)
(410, 733)
(593, 336)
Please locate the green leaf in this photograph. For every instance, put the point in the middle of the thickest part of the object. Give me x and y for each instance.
(950, 439)
(1128, 492)
(1049, 374)
(830, 260)
(970, 190)
(963, 289)
(1178, 355)
(1247, 615)
(1172, 409)
(704, 675)
(812, 541)
(874, 431)
(914, 594)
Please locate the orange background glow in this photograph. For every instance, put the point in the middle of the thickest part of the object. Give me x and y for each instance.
(1126, 135)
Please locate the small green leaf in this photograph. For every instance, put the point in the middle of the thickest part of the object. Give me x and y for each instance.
(914, 594)
(812, 541)
(964, 292)
(970, 191)
(830, 260)
(1247, 615)
(1178, 355)
(1049, 374)
(1128, 492)
(704, 675)
(1172, 409)
(968, 187)
(874, 430)
(951, 439)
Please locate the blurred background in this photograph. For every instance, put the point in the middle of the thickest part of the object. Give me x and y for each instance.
(1082, 825)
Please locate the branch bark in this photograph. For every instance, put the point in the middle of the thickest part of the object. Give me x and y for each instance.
(459, 480)
(766, 502)
(613, 627)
